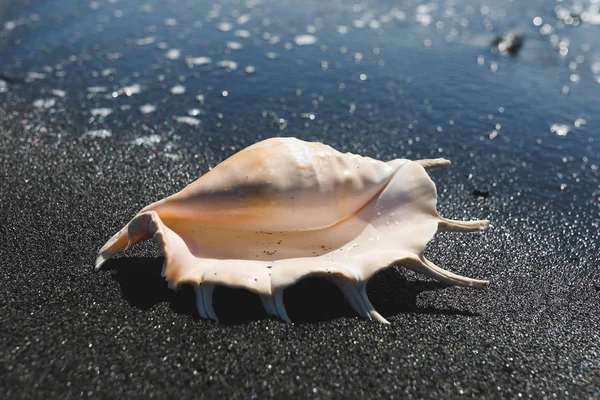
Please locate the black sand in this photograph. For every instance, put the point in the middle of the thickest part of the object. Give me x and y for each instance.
(67, 332)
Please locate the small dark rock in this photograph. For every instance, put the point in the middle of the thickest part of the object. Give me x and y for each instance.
(11, 80)
(508, 43)
(508, 369)
(481, 193)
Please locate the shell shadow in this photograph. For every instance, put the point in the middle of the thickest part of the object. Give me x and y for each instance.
(143, 287)
(311, 300)
(391, 293)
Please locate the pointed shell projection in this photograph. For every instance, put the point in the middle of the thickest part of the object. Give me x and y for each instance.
(283, 210)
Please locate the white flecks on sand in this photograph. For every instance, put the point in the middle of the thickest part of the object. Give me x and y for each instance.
(224, 26)
(198, 61)
(304, 40)
(234, 45)
(108, 72)
(147, 109)
(35, 76)
(145, 41)
(101, 112)
(44, 103)
(178, 89)
(228, 64)
(187, 120)
(59, 93)
(173, 54)
(97, 134)
(242, 19)
(242, 33)
(129, 90)
(171, 156)
(560, 129)
(96, 89)
(272, 39)
(148, 141)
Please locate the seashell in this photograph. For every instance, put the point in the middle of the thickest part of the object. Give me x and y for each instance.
(282, 210)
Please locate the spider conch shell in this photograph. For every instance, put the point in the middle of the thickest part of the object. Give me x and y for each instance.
(282, 210)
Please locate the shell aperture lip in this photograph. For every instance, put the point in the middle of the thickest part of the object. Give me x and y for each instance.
(316, 212)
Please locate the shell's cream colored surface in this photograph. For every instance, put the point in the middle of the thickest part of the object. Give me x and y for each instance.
(282, 210)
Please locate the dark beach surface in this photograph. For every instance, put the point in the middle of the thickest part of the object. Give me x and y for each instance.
(108, 105)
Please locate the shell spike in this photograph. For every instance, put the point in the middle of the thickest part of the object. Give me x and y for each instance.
(269, 305)
(142, 227)
(369, 307)
(207, 298)
(116, 244)
(427, 268)
(352, 294)
(200, 302)
(433, 163)
(280, 307)
(449, 225)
